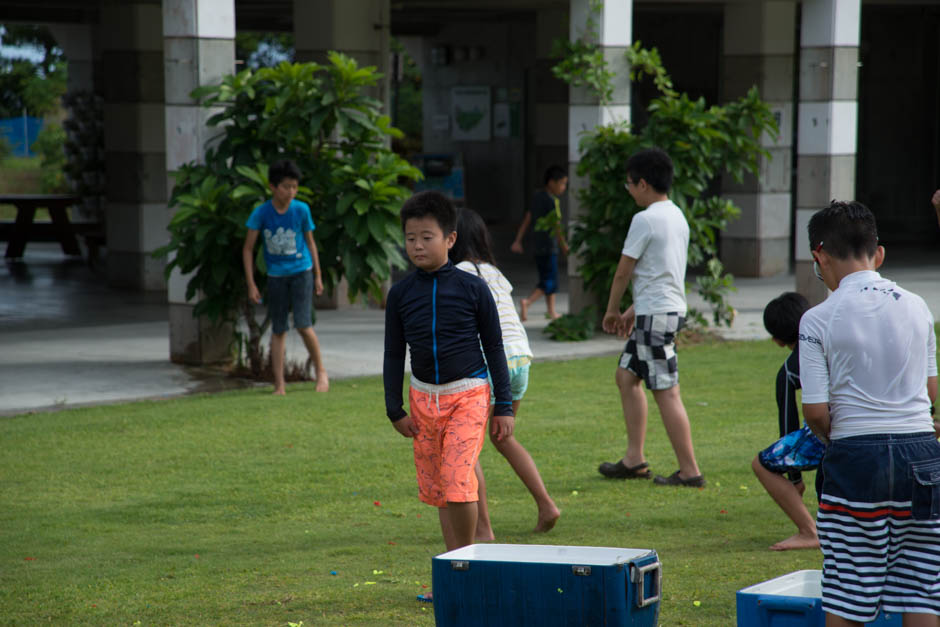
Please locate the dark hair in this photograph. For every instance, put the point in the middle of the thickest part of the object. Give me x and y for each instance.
(433, 204)
(555, 173)
(845, 230)
(653, 166)
(283, 169)
(473, 239)
(782, 316)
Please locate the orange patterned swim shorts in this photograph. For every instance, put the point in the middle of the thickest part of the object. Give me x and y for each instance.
(451, 421)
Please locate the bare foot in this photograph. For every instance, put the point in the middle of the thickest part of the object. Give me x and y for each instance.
(796, 542)
(483, 535)
(524, 307)
(323, 382)
(547, 520)
(280, 392)
(553, 315)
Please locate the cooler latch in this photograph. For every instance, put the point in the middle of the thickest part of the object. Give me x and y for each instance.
(638, 577)
(581, 571)
(460, 565)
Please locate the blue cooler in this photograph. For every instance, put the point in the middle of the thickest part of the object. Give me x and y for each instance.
(793, 600)
(530, 584)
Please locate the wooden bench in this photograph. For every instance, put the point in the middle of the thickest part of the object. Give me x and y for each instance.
(23, 229)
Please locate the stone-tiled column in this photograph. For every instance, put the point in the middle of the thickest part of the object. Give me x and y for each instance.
(614, 31)
(759, 45)
(360, 29)
(827, 120)
(132, 62)
(199, 49)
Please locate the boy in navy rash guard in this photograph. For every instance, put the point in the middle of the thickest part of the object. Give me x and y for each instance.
(444, 315)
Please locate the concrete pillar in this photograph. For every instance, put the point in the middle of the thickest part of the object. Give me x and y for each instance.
(759, 41)
(359, 29)
(549, 96)
(198, 49)
(614, 33)
(79, 44)
(132, 62)
(827, 121)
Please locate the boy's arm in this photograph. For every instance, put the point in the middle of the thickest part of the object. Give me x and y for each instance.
(393, 368)
(317, 276)
(787, 382)
(613, 321)
(814, 377)
(562, 243)
(817, 419)
(248, 261)
(517, 243)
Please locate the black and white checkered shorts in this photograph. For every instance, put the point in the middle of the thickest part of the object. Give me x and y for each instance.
(650, 352)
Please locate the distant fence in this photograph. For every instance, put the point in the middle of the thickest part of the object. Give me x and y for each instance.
(21, 132)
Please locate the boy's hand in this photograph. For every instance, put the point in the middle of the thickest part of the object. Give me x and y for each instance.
(611, 322)
(406, 427)
(254, 294)
(935, 199)
(627, 320)
(517, 246)
(502, 426)
(564, 248)
(318, 285)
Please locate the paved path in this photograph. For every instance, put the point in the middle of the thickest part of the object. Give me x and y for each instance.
(66, 340)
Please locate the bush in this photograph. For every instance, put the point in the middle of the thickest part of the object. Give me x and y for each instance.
(702, 141)
(319, 116)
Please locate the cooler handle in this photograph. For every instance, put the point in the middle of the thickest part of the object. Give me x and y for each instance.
(773, 604)
(638, 576)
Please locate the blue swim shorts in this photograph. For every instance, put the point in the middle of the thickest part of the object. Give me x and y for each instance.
(291, 292)
(547, 266)
(797, 450)
(518, 378)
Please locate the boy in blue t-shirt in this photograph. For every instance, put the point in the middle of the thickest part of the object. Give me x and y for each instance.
(293, 267)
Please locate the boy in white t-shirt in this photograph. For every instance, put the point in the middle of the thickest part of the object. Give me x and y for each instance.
(868, 368)
(654, 256)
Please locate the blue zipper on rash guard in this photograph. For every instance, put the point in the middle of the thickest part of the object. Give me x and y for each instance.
(437, 370)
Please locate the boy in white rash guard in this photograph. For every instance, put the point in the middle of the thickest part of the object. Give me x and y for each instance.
(868, 369)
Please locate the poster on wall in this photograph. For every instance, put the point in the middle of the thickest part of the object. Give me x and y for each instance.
(470, 108)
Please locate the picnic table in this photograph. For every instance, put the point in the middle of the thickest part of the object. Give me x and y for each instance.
(23, 228)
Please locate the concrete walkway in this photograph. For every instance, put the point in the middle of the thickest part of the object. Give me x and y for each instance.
(66, 340)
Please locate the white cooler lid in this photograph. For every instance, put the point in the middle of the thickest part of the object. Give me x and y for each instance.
(545, 554)
(802, 583)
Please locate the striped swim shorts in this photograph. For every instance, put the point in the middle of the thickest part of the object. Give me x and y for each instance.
(879, 525)
(650, 352)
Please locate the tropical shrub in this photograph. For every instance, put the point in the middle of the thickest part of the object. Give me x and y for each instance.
(320, 117)
(703, 141)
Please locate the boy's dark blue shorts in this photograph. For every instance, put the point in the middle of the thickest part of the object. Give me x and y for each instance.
(292, 292)
(548, 273)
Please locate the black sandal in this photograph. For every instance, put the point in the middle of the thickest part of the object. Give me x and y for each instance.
(619, 471)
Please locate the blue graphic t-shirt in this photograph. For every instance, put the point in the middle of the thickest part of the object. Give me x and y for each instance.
(285, 251)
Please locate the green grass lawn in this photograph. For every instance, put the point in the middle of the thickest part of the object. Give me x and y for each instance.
(237, 508)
